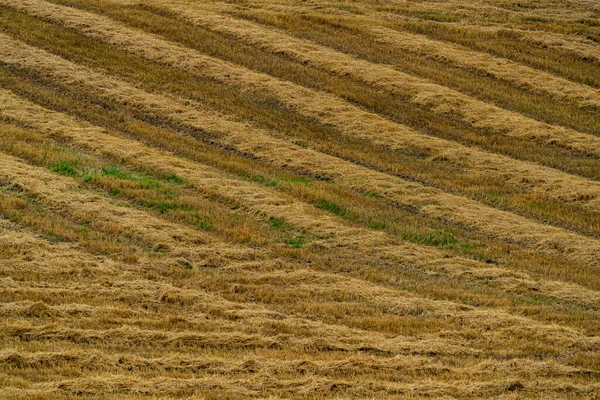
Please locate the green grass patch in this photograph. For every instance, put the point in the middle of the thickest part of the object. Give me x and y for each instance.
(67, 168)
(379, 222)
(177, 180)
(495, 199)
(202, 222)
(296, 242)
(442, 238)
(117, 173)
(297, 179)
(279, 224)
(331, 207)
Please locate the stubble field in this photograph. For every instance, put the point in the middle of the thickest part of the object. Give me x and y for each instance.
(299, 199)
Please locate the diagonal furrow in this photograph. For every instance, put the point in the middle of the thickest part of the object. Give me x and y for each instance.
(510, 71)
(60, 193)
(260, 144)
(419, 91)
(263, 201)
(352, 120)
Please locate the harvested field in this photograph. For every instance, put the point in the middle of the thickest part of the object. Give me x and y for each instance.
(285, 199)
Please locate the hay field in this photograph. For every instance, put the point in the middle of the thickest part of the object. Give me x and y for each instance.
(314, 199)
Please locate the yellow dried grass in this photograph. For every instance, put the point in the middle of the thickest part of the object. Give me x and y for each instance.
(352, 120)
(247, 139)
(420, 91)
(260, 200)
(510, 71)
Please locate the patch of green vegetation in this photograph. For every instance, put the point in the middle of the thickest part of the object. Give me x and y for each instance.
(377, 223)
(149, 183)
(297, 179)
(467, 246)
(161, 206)
(177, 180)
(83, 231)
(203, 223)
(117, 173)
(169, 194)
(331, 207)
(276, 181)
(296, 242)
(279, 224)
(67, 168)
(535, 207)
(442, 238)
(494, 199)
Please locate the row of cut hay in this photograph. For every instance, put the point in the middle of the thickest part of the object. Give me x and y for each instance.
(23, 251)
(249, 140)
(521, 75)
(223, 366)
(290, 334)
(188, 339)
(486, 325)
(96, 139)
(586, 48)
(510, 71)
(419, 91)
(328, 109)
(302, 388)
(260, 200)
(172, 365)
(59, 193)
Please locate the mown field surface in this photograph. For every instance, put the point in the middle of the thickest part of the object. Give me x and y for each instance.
(299, 199)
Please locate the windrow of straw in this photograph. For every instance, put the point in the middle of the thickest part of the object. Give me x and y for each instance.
(99, 141)
(419, 91)
(510, 71)
(260, 144)
(521, 75)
